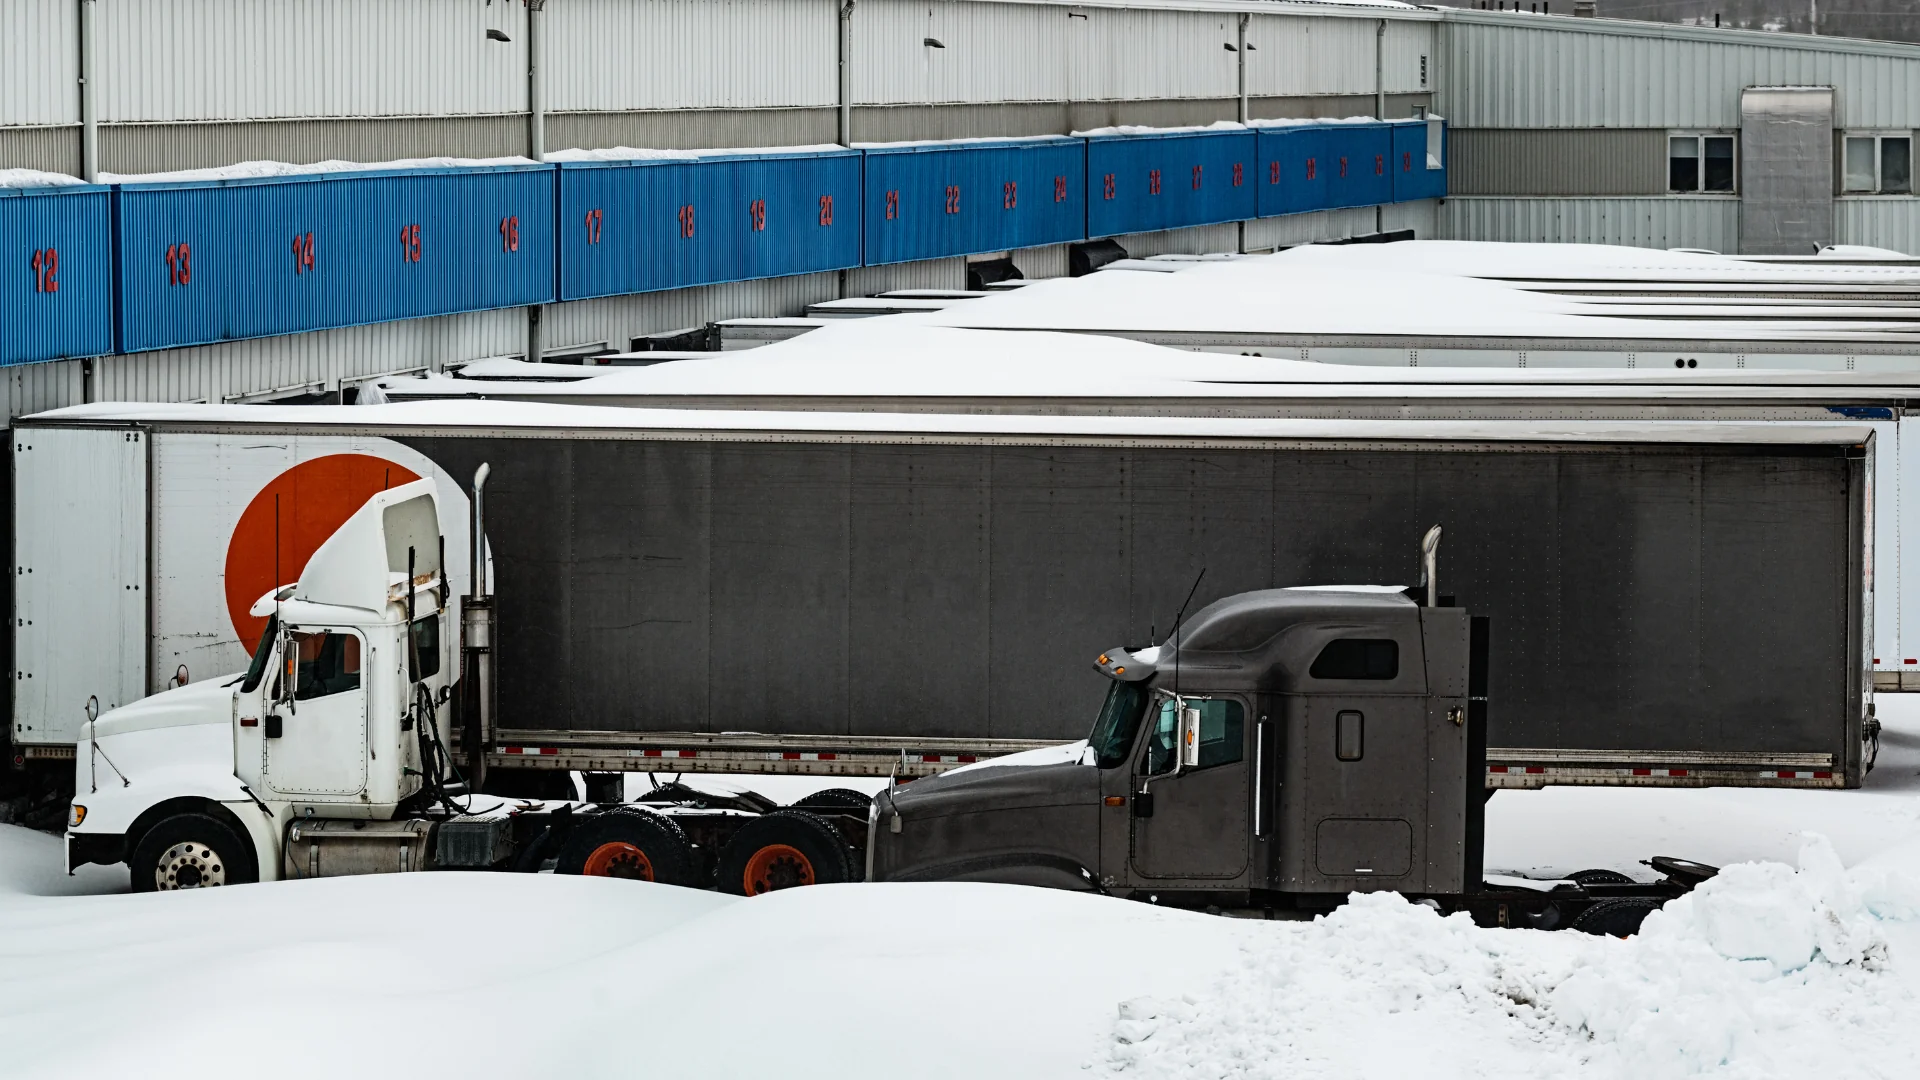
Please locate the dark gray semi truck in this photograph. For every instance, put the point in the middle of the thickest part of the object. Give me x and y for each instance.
(1284, 749)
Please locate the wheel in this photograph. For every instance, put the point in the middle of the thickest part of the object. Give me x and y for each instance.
(1619, 916)
(782, 851)
(1599, 877)
(628, 843)
(835, 798)
(192, 851)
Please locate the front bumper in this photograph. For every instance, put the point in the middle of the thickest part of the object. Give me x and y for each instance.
(104, 848)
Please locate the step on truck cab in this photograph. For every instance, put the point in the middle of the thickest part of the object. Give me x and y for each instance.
(1283, 749)
(328, 756)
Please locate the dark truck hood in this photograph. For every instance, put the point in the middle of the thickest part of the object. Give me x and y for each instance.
(1016, 824)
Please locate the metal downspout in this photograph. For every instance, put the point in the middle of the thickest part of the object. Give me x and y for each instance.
(536, 143)
(1380, 101)
(89, 121)
(1240, 62)
(846, 72)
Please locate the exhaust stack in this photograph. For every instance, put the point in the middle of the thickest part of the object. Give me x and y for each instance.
(1430, 565)
(477, 637)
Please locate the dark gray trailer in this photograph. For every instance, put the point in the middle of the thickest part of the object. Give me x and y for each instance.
(1681, 604)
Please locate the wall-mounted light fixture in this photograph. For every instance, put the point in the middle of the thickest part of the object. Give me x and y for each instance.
(932, 43)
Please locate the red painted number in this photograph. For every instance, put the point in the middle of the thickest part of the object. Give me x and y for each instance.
(1309, 168)
(893, 205)
(1106, 186)
(410, 243)
(1196, 178)
(1406, 162)
(1379, 164)
(1009, 194)
(686, 221)
(1273, 172)
(594, 218)
(1153, 181)
(953, 199)
(302, 252)
(45, 264)
(510, 233)
(1059, 189)
(826, 209)
(757, 215)
(1343, 168)
(180, 264)
(1238, 174)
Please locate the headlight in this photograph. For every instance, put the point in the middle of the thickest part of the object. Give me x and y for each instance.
(76, 815)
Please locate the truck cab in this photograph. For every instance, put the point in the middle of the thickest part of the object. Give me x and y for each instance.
(346, 695)
(1285, 748)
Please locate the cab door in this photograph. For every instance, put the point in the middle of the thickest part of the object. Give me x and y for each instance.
(1192, 823)
(316, 732)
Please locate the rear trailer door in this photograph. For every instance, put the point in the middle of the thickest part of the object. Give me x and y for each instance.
(80, 577)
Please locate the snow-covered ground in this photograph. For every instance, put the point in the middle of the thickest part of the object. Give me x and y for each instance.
(1767, 972)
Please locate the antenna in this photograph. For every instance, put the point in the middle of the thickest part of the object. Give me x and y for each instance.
(1182, 614)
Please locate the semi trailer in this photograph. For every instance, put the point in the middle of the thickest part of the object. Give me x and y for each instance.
(896, 595)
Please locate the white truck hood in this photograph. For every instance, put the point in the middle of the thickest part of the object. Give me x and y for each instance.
(208, 701)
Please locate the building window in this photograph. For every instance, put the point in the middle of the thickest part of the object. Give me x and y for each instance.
(1877, 164)
(1700, 162)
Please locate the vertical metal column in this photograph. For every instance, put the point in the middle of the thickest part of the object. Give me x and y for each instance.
(1241, 58)
(89, 121)
(536, 142)
(846, 72)
(1380, 70)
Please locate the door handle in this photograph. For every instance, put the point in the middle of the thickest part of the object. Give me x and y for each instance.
(1458, 715)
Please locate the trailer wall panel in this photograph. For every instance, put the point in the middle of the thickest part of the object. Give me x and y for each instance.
(1149, 183)
(929, 202)
(1356, 164)
(644, 225)
(56, 299)
(1418, 173)
(205, 262)
(1293, 169)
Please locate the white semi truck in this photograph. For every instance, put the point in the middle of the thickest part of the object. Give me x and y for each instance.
(328, 755)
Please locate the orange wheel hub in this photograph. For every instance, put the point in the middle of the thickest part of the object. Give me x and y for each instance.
(776, 866)
(617, 858)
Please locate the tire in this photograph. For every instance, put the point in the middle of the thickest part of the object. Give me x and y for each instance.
(1599, 877)
(629, 843)
(1619, 916)
(192, 851)
(784, 850)
(835, 798)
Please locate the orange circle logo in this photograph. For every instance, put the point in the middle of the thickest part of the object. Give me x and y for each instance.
(288, 521)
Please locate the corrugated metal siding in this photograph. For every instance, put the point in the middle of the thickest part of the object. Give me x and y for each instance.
(1659, 222)
(1294, 56)
(618, 319)
(170, 60)
(644, 225)
(1205, 240)
(295, 363)
(1570, 161)
(32, 388)
(1043, 262)
(56, 299)
(297, 254)
(994, 52)
(1320, 166)
(1414, 175)
(610, 55)
(689, 129)
(145, 148)
(1502, 75)
(1887, 222)
(1422, 216)
(927, 202)
(39, 81)
(929, 274)
(47, 149)
(1269, 233)
(1407, 43)
(1149, 183)
(1132, 53)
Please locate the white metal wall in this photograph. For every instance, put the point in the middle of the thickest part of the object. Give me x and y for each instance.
(994, 52)
(1655, 221)
(39, 77)
(1295, 56)
(179, 60)
(1883, 221)
(618, 55)
(617, 319)
(1518, 71)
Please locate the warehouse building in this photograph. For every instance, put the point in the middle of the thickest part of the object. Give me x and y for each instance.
(149, 285)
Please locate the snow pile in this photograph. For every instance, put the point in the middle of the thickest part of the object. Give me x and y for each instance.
(28, 178)
(254, 170)
(634, 153)
(1766, 970)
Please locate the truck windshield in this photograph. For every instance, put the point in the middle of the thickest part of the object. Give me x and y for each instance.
(258, 669)
(1119, 718)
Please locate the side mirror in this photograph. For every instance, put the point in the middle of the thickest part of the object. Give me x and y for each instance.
(1189, 737)
(275, 726)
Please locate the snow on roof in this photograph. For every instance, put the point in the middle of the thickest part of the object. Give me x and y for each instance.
(32, 178)
(722, 424)
(254, 170)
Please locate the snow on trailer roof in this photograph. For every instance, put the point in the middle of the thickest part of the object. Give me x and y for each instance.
(893, 358)
(531, 419)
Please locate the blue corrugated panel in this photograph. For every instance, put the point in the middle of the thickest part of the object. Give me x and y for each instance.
(1414, 176)
(1170, 180)
(1357, 173)
(56, 297)
(1293, 169)
(638, 226)
(217, 261)
(930, 202)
